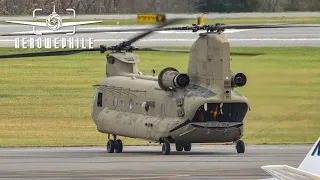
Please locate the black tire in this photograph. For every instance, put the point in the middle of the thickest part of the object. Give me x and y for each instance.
(166, 148)
(118, 146)
(179, 147)
(187, 147)
(110, 146)
(241, 147)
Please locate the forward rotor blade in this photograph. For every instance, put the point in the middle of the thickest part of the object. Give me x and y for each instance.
(48, 53)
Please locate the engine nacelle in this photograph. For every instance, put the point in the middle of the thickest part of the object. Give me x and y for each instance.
(170, 78)
(238, 80)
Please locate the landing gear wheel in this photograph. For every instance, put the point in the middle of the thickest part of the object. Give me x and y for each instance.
(110, 146)
(187, 147)
(179, 147)
(240, 146)
(118, 146)
(166, 148)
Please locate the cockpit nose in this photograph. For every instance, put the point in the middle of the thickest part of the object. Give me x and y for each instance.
(93, 108)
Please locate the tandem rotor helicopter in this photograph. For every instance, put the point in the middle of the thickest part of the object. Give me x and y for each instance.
(199, 106)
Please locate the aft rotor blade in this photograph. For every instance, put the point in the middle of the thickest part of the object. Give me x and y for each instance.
(162, 28)
(48, 53)
(88, 31)
(217, 27)
(163, 50)
(264, 26)
(83, 31)
(136, 38)
(188, 51)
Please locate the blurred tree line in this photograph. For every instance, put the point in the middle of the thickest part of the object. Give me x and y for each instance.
(19, 7)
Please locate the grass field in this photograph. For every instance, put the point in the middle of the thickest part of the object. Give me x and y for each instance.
(45, 101)
(305, 20)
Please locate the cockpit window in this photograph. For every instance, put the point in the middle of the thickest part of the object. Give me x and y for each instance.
(99, 101)
(163, 109)
(115, 102)
(131, 103)
(222, 112)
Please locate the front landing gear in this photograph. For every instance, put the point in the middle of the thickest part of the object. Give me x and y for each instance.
(110, 146)
(166, 148)
(240, 146)
(114, 145)
(118, 146)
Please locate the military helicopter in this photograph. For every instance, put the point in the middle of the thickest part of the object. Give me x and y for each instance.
(200, 106)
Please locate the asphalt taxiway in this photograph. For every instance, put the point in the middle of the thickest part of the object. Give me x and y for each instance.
(146, 162)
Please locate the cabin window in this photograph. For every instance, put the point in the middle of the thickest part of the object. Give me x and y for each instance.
(222, 112)
(131, 104)
(99, 102)
(145, 106)
(163, 109)
(115, 102)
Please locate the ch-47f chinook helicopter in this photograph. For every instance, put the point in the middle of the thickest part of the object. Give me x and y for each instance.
(200, 106)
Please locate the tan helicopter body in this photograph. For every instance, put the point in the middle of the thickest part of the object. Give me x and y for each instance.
(131, 104)
(200, 106)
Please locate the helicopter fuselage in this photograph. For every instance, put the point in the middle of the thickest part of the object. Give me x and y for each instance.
(183, 115)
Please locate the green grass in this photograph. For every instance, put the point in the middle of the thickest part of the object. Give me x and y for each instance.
(45, 101)
(306, 20)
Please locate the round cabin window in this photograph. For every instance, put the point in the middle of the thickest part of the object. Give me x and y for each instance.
(131, 104)
(163, 109)
(115, 101)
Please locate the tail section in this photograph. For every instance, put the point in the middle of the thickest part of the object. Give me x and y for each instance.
(284, 172)
(308, 169)
(311, 162)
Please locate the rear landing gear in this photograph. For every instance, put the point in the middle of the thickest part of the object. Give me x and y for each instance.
(179, 147)
(187, 147)
(240, 146)
(114, 145)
